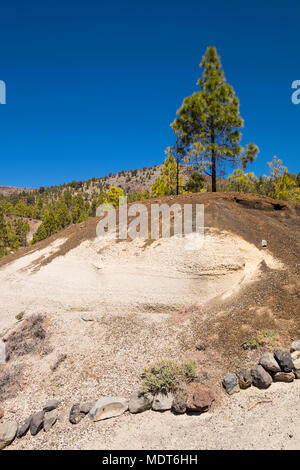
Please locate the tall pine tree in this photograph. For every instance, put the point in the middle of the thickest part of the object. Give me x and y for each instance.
(208, 122)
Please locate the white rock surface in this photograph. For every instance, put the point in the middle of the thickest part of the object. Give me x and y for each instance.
(108, 407)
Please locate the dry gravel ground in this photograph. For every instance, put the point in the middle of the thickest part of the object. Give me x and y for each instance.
(113, 308)
(271, 424)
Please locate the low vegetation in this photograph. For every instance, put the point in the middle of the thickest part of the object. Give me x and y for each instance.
(20, 316)
(167, 375)
(267, 338)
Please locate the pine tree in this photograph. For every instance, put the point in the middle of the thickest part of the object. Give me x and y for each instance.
(196, 183)
(3, 235)
(209, 121)
(170, 179)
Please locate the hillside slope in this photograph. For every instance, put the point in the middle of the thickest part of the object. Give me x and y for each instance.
(114, 306)
(9, 190)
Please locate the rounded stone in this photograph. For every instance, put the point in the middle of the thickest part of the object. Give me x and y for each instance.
(283, 377)
(139, 402)
(8, 432)
(269, 362)
(285, 360)
(231, 384)
(244, 378)
(260, 377)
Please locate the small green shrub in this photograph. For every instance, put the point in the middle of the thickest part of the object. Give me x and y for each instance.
(167, 375)
(20, 316)
(265, 337)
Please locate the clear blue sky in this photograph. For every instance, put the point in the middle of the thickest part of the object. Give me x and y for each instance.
(92, 86)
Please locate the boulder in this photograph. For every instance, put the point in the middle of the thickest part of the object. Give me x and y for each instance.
(8, 432)
(108, 407)
(1, 412)
(50, 419)
(269, 362)
(24, 428)
(231, 384)
(285, 360)
(244, 378)
(36, 422)
(295, 346)
(162, 401)
(283, 377)
(201, 398)
(51, 405)
(3, 353)
(75, 414)
(264, 243)
(180, 401)
(139, 402)
(260, 377)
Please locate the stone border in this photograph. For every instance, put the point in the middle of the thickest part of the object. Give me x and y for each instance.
(279, 366)
(194, 398)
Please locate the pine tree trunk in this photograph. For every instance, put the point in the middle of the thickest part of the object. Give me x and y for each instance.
(213, 166)
(213, 173)
(177, 174)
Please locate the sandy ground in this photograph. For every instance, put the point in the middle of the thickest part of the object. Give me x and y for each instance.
(272, 424)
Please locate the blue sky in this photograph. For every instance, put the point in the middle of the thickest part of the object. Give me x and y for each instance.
(92, 86)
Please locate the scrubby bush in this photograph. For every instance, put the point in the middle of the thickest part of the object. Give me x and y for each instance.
(167, 375)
